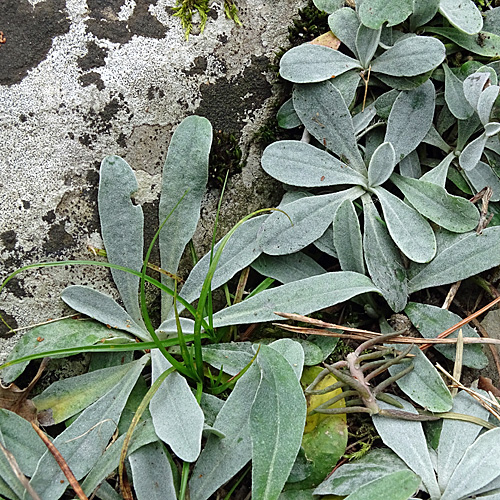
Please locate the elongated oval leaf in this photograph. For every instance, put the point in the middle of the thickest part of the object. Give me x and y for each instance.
(410, 57)
(472, 153)
(430, 321)
(177, 416)
(491, 129)
(477, 468)
(406, 438)
(230, 357)
(124, 247)
(374, 13)
(485, 102)
(344, 24)
(287, 268)
(287, 117)
(185, 169)
(324, 113)
(310, 218)
(451, 449)
(347, 238)
(293, 352)
(423, 384)
(439, 173)
(152, 474)
(409, 230)
(299, 164)
(468, 256)
(482, 176)
(347, 84)
(410, 119)
(84, 441)
(383, 259)
(454, 95)
(316, 292)
(328, 6)
(275, 441)
(409, 166)
(221, 459)
(484, 44)
(103, 308)
(309, 63)
(464, 15)
(451, 212)
(325, 242)
(382, 164)
(423, 12)
(367, 43)
(473, 87)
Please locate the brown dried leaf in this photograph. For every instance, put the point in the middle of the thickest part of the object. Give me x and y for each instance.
(327, 40)
(487, 385)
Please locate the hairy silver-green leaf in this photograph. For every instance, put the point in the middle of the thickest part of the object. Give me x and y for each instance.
(454, 95)
(328, 6)
(406, 438)
(374, 13)
(310, 63)
(325, 243)
(302, 297)
(451, 449)
(240, 251)
(464, 15)
(103, 308)
(382, 164)
(230, 357)
(324, 113)
(362, 119)
(287, 268)
(84, 441)
(57, 335)
(287, 117)
(491, 129)
(430, 321)
(293, 352)
(185, 169)
(67, 397)
(451, 212)
(300, 164)
(482, 176)
(423, 384)
(468, 256)
(122, 227)
(409, 166)
(347, 238)
(408, 229)
(351, 476)
(410, 119)
(367, 43)
(472, 153)
(347, 84)
(439, 173)
(466, 128)
(423, 12)
(473, 87)
(410, 57)
(344, 24)
(485, 102)
(383, 259)
(478, 467)
(434, 139)
(221, 459)
(152, 474)
(308, 218)
(484, 44)
(275, 441)
(177, 416)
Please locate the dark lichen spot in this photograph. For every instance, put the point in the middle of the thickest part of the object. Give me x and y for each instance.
(29, 31)
(91, 78)
(9, 239)
(94, 58)
(58, 239)
(155, 93)
(122, 140)
(199, 66)
(23, 118)
(26, 204)
(6, 332)
(100, 122)
(49, 217)
(16, 287)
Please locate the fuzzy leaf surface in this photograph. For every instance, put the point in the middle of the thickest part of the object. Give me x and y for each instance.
(408, 229)
(302, 297)
(344, 24)
(310, 63)
(185, 169)
(488, 45)
(410, 119)
(367, 43)
(454, 95)
(482, 176)
(310, 218)
(439, 173)
(324, 113)
(430, 321)
(486, 101)
(374, 13)
(300, 164)
(410, 57)
(287, 117)
(406, 438)
(451, 212)
(464, 15)
(124, 247)
(276, 432)
(231, 357)
(467, 257)
(423, 12)
(382, 164)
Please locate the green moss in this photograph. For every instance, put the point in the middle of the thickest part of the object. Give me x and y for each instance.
(225, 158)
(310, 24)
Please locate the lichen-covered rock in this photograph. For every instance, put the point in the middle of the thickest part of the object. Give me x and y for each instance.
(83, 79)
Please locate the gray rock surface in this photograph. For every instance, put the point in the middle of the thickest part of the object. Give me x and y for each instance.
(83, 79)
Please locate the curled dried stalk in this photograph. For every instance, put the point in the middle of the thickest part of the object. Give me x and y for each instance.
(354, 375)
